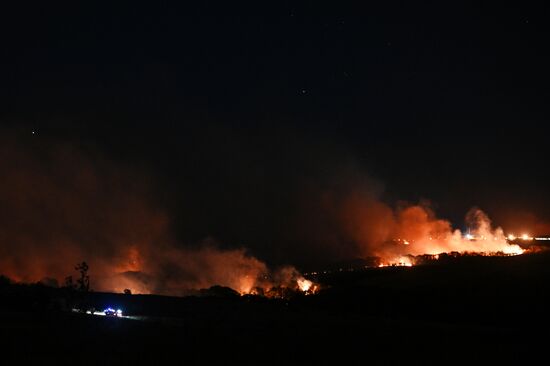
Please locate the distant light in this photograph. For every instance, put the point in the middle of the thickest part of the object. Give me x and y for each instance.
(511, 237)
(525, 237)
(469, 236)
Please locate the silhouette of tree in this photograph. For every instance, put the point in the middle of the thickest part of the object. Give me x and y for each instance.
(83, 283)
(127, 291)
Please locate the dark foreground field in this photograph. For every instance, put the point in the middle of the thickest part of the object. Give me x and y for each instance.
(468, 310)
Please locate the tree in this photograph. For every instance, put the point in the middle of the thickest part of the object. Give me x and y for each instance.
(83, 283)
(127, 291)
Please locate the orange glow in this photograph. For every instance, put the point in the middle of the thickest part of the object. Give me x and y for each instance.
(303, 284)
(104, 215)
(513, 250)
(428, 235)
(526, 237)
(245, 284)
(278, 284)
(397, 262)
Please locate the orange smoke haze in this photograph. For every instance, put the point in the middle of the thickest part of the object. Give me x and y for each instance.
(414, 230)
(519, 222)
(61, 205)
(170, 270)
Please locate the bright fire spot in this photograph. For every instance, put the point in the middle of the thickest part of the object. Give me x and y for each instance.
(428, 236)
(286, 284)
(513, 250)
(526, 237)
(405, 262)
(246, 283)
(398, 262)
(304, 284)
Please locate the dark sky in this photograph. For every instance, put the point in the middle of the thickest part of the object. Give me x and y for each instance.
(234, 111)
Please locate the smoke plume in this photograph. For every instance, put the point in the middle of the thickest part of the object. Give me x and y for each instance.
(61, 205)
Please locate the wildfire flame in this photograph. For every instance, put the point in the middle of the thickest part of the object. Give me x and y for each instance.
(106, 216)
(398, 262)
(283, 286)
(303, 284)
(421, 234)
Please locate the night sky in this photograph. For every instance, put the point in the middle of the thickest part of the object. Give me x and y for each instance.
(239, 118)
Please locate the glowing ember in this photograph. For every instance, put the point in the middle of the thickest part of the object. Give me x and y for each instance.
(398, 262)
(303, 284)
(513, 250)
(246, 284)
(281, 283)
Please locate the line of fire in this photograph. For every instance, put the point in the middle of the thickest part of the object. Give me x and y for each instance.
(517, 245)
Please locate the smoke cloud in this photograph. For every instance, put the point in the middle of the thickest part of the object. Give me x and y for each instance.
(309, 204)
(378, 230)
(415, 230)
(61, 205)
